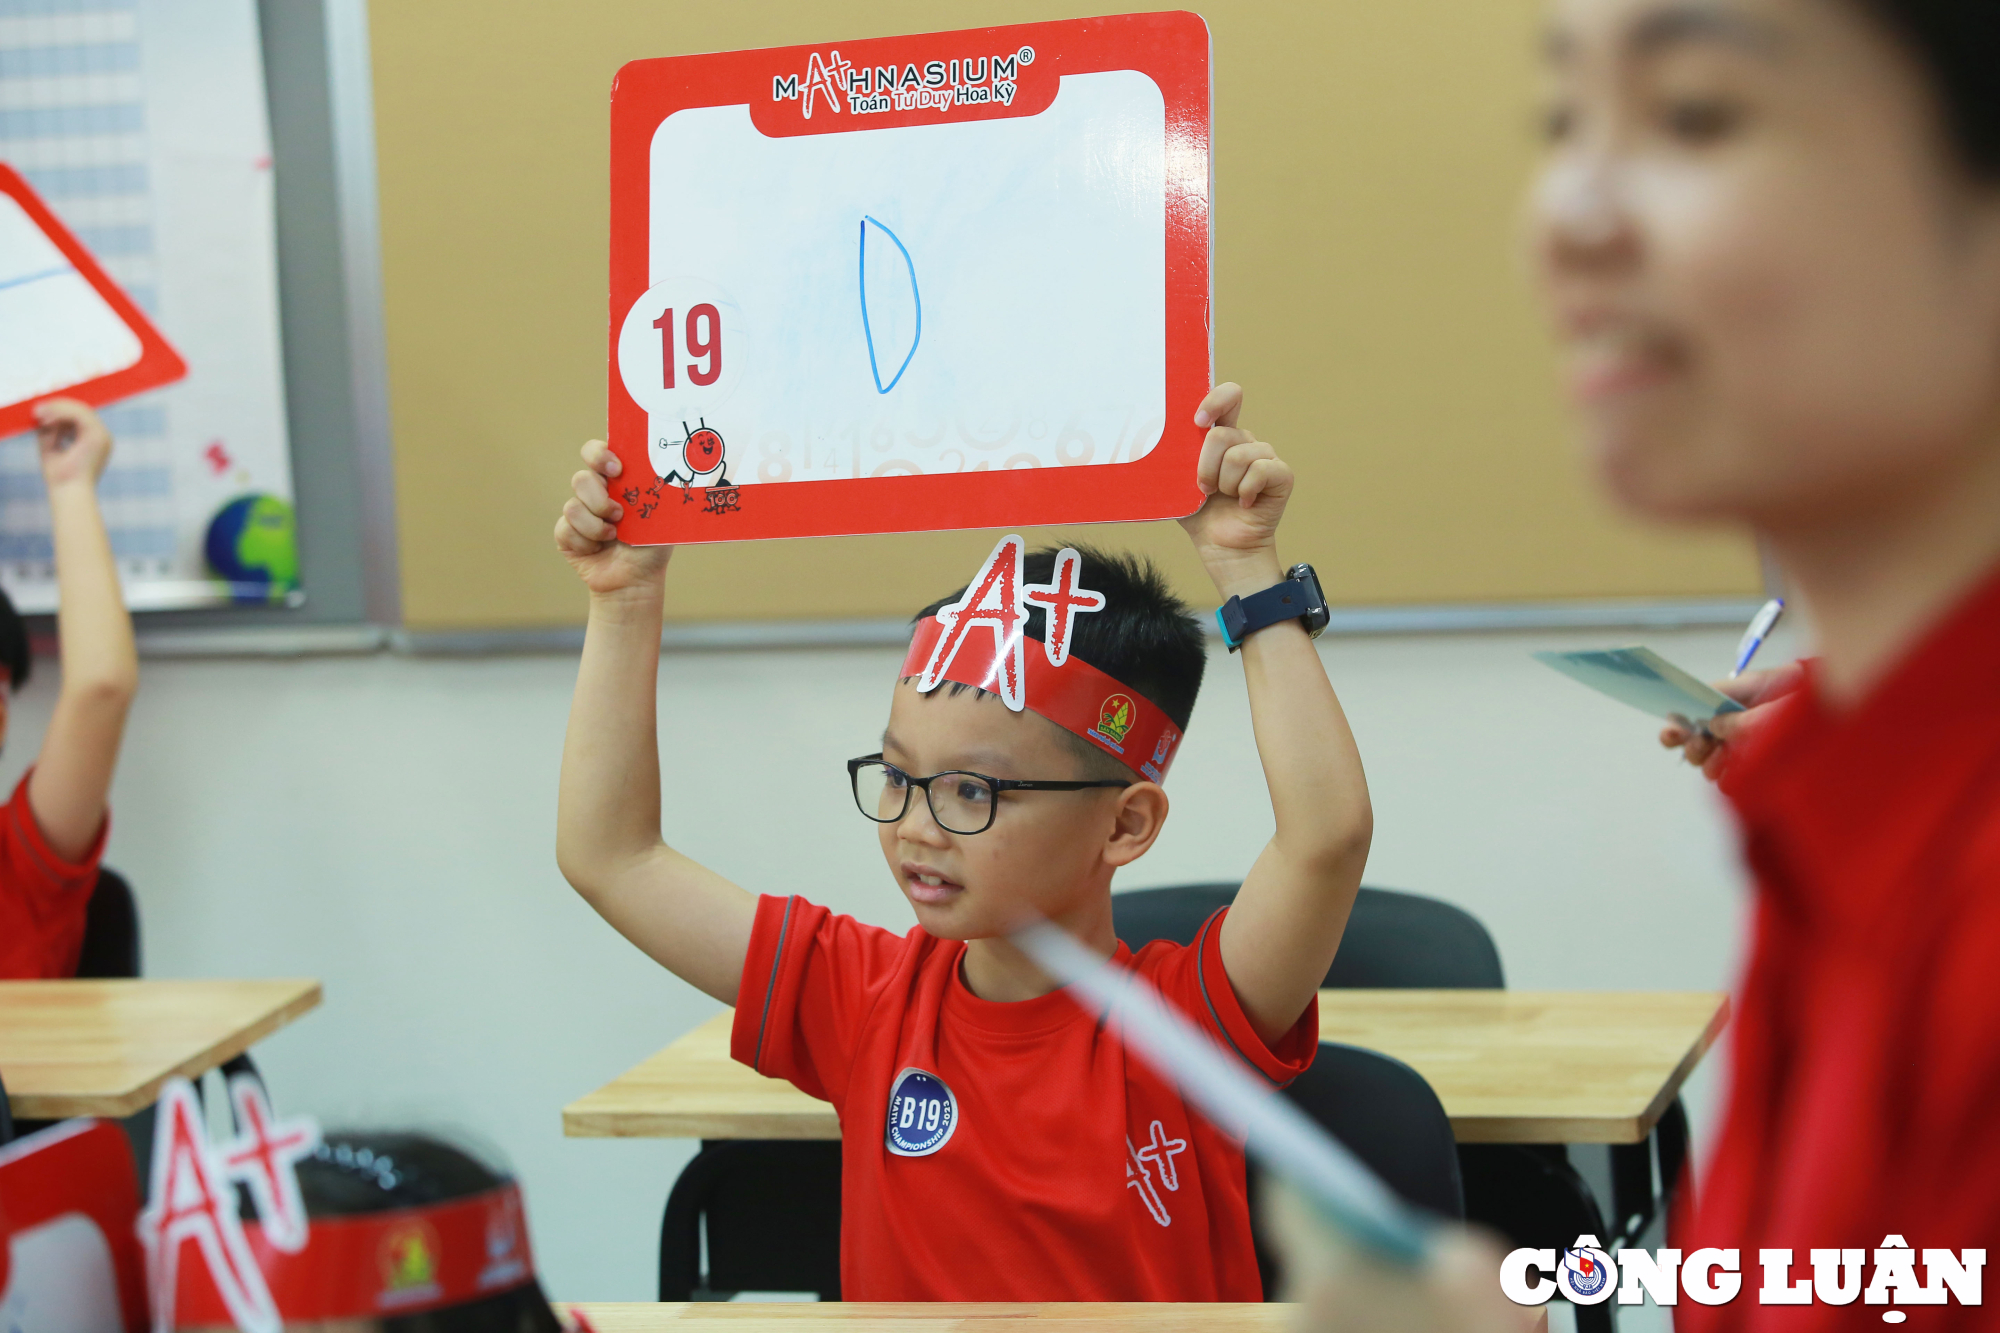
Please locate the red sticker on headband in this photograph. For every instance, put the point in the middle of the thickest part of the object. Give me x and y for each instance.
(977, 641)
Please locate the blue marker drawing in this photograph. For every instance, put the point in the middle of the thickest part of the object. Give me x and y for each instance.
(26, 278)
(916, 299)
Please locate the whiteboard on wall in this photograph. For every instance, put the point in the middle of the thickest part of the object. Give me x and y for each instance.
(143, 125)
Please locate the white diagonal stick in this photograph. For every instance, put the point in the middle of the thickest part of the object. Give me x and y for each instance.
(1285, 1140)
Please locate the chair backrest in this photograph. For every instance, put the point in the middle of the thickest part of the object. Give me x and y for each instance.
(771, 1211)
(110, 929)
(1406, 941)
(1389, 1117)
(1176, 914)
(1394, 940)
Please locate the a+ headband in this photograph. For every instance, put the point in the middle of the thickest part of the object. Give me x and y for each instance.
(205, 1265)
(402, 1261)
(977, 641)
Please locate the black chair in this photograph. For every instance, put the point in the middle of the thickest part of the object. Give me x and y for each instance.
(1394, 940)
(1529, 1193)
(110, 929)
(6, 1117)
(771, 1213)
(1390, 1118)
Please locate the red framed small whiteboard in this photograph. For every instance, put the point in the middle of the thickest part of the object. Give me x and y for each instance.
(66, 329)
(954, 280)
(69, 1244)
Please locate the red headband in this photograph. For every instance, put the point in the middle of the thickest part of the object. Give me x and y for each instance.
(977, 641)
(379, 1264)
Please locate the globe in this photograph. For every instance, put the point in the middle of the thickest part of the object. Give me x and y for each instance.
(252, 544)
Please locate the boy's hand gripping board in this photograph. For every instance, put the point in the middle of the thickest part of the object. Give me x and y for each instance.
(955, 280)
(65, 327)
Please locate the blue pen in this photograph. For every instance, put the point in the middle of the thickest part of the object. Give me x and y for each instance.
(1760, 629)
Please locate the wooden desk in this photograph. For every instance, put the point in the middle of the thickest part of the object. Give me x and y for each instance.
(857, 1317)
(1509, 1066)
(105, 1047)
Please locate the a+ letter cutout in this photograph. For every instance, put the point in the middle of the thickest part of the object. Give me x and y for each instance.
(1063, 599)
(265, 1156)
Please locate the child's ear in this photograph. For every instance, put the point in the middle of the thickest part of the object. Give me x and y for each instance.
(1139, 816)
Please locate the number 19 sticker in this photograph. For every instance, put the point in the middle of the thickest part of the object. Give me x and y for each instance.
(681, 353)
(922, 1114)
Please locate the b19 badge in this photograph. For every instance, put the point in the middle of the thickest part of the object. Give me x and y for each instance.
(922, 1114)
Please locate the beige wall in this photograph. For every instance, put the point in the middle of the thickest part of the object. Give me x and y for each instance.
(1369, 160)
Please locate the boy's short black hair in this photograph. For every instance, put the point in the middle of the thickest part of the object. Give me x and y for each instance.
(1957, 45)
(1145, 637)
(14, 654)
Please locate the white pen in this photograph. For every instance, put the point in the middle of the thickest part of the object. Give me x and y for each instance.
(1290, 1144)
(1760, 629)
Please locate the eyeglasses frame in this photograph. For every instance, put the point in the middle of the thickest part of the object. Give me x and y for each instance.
(998, 785)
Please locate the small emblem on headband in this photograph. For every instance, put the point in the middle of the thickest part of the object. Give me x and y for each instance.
(409, 1262)
(506, 1263)
(1114, 719)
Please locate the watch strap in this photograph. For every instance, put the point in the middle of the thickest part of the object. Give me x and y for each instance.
(1240, 617)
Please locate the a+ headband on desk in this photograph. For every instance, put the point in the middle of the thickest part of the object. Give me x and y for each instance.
(1066, 690)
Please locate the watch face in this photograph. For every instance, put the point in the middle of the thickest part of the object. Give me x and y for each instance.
(1317, 615)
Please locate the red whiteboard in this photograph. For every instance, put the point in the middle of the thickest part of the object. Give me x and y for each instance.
(953, 280)
(68, 329)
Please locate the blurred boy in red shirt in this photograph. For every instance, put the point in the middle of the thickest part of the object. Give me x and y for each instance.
(53, 828)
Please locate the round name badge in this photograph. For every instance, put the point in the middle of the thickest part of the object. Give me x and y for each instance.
(922, 1114)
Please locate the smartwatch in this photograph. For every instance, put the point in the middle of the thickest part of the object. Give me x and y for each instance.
(1297, 598)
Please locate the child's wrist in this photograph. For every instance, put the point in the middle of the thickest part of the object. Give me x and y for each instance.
(1241, 573)
(635, 602)
(84, 484)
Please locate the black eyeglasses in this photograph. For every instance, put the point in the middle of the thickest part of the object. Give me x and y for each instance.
(959, 802)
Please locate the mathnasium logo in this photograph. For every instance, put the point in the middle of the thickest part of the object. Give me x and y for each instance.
(1586, 1275)
(840, 84)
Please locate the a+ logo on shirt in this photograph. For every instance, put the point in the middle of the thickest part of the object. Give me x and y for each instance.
(1140, 1163)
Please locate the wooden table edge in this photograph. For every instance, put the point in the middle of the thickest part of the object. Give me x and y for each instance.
(59, 1106)
(1711, 1032)
(851, 1314)
(584, 1123)
(582, 1120)
(1598, 1129)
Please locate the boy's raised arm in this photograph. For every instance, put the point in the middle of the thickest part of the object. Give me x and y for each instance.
(1280, 937)
(691, 920)
(100, 664)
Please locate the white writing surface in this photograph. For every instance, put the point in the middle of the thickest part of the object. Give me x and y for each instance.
(919, 299)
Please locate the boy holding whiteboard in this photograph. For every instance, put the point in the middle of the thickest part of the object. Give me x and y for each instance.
(52, 831)
(997, 1143)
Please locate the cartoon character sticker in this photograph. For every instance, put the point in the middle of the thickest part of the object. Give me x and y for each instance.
(704, 457)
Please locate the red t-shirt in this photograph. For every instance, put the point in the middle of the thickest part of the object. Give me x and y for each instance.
(1866, 1097)
(42, 896)
(1005, 1152)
